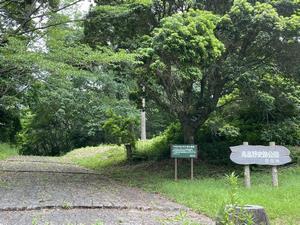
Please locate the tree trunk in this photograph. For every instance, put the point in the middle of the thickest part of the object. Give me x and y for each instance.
(188, 133)
(128, 147)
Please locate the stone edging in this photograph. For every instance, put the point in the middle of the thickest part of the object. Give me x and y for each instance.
(39, 161)
(140, 208)
(46, 171)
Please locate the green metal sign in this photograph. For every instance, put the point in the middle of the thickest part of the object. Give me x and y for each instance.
(184, 151)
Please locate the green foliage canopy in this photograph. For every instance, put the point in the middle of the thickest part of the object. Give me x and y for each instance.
(195, 59)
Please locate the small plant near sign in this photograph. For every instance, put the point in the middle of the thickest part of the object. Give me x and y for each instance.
(181, 218)
(231, 212)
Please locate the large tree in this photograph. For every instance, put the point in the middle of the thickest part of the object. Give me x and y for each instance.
(195, 58)
(121, 24)
(59, 87)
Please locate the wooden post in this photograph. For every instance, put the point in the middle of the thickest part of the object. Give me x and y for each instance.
(274, 171)
(143, 116)
(143, 125)
(247, 173)
(128, 151)
(192, 168)
(175, 169)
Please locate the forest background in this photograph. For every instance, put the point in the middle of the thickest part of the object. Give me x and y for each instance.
(216, 73)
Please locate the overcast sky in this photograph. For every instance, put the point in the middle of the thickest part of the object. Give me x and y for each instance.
(83, 6)
(78, 10)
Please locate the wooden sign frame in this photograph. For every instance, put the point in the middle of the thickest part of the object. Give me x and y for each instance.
(272, 155)
(191, 159)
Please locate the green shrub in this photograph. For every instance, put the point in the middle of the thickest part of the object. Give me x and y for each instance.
(152, 149)
(286, 132)
(216, 152)
(215, 138)
(7, 150)
(159, 147)
(213, 150)
(295, 153)
(251, 132)
(69, 113)
(9, 124)
(120, 129)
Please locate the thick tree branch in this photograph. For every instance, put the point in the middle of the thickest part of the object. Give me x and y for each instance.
(57, 10)
(20, 30)
(27, 17)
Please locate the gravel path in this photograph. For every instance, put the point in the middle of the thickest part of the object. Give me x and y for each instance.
(43, 190)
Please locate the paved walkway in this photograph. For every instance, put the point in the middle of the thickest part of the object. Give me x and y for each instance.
(44, 190)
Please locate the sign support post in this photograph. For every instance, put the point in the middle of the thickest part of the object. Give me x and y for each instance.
(272, 155)
(184, 152)
(143, 117)
(247, 173)
(192, 168)
(274, 170)
(175, 169)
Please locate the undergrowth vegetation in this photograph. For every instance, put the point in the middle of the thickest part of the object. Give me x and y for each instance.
(208, 191)
(7, 150)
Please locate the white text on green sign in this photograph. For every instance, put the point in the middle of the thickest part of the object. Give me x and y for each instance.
(184, 151)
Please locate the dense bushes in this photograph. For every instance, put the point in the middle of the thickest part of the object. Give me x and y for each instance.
(120, 129)
(69, 113)
(9, 125)
(159, 147)
(7, 150)
(215, 138)
(295, 153)
(214, 146)
(285, 132)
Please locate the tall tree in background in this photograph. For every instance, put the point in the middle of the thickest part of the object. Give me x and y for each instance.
(60, 88)
(178, 53)
(121, 24)
(194, 57)
(22, 23)
(193, 60)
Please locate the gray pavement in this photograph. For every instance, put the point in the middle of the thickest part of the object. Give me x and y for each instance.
(43, 190)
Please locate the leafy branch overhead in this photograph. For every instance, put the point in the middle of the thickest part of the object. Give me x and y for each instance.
(26, 17)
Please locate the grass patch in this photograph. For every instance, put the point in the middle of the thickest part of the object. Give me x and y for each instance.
(153, 149)
(207, 192)
(98, 158)
(7, 150)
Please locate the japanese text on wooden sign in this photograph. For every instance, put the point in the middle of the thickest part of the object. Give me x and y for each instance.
(260, 155)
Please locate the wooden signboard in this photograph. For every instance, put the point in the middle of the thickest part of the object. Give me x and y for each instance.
(272, 155)
(260, 155)
(184, 151)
